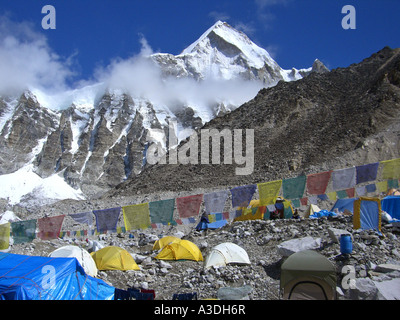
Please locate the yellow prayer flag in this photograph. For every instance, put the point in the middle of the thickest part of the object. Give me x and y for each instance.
(4, 236)
(391, 169)
(269, 191)
(382, 186)
(332, 195)
(136, 216)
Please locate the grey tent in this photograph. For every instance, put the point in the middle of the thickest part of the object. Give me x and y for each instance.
(308, 275)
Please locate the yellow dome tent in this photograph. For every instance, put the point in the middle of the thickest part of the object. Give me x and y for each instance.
(161, 243)
(114, 258)
(183, 250)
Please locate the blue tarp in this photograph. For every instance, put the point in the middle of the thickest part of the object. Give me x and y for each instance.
(217, 224)
(204, 225)
(369, 215)
(391, 205)
(323, 213)
(48, 278)
(342, 204)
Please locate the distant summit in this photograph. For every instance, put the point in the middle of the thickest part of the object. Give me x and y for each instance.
(319, 67)
(222, 52)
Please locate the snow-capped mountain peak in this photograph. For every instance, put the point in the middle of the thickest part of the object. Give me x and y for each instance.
(226, 39)
(224, 53)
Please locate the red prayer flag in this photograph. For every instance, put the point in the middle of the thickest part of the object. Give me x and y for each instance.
(50, 227)
(189, 206)
(317, 183)
(350, 192)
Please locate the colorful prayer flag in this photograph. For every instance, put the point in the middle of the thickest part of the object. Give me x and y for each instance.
(391, 169)
(162, 211)
(269, 191)
(107, 219)
(332, 195)
(241, 196)
(4, 236)
(344, 178)
(318, 182)
(189, 206)
(361, 191)
(23, 231)
(50, 227)
(370, 187)
(382, 186)
(367, 172)
(136, 216)
(83, 217)
(215, 202)
(293, 188)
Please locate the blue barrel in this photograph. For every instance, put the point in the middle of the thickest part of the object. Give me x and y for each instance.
(346, 246)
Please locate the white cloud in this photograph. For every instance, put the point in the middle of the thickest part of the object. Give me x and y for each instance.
(268, 3)
(264, 10)
(26, 60)
(247, 28)
(217, 15)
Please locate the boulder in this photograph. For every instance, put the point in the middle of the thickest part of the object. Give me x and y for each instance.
(163, 264)
(388, 290)
(387, 267)
(365, 289)
(231, 293)
(335, 234)
(289, 247)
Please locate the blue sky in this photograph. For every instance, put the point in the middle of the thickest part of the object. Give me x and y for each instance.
(90, 34)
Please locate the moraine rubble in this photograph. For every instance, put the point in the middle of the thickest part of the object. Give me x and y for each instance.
(375, 259)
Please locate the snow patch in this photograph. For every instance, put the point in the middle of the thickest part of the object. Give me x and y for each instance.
(8, 216)
(25, 182)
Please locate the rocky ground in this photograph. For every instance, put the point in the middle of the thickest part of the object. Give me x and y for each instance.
(375, 258)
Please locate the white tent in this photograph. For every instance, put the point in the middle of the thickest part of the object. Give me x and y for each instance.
(226, 253)
(84, 258)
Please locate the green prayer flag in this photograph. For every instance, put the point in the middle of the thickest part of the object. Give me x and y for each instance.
(162, 211)
(23, 231)
(293, 188)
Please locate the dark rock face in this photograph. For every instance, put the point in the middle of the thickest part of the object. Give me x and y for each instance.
(326, 121)
(94, 150)
(23, 132)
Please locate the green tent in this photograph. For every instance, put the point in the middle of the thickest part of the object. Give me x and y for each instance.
(308, 275)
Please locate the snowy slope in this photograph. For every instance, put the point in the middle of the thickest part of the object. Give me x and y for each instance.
(25, 183)
(256, 56)
(224, 52)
